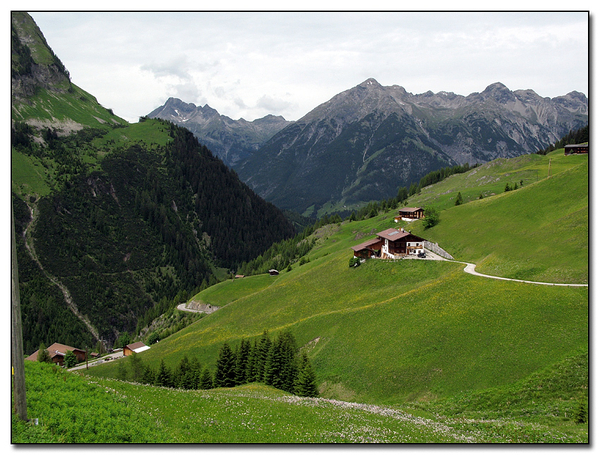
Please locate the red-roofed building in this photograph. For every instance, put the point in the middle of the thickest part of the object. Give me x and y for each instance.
(390, 244)
(57, 353)
(368, 249)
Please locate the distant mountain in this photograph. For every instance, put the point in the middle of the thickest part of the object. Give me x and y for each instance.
(366, 142)
(231, 140)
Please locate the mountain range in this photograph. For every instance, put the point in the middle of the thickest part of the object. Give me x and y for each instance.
(231, 140)
(366, 142)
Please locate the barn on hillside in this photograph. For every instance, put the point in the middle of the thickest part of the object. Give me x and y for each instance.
(135, 347)
(410, 214)
(576, 149)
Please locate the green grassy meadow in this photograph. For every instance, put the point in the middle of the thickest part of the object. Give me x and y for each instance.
(537, 233)
(111, 411)
(426, 327)
(413, 335)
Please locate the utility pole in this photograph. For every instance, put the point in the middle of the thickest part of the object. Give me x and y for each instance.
(549, 164)
(18, 362)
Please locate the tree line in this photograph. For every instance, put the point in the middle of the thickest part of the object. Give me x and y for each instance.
(275, 362)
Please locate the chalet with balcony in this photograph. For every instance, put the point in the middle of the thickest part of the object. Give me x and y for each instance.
(390, 244)
(410, 214)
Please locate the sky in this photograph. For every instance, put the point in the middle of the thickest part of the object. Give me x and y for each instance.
(250, 64)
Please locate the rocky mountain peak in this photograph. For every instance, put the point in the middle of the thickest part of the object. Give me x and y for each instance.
(33, 64)
(499, 93)
(370, 83)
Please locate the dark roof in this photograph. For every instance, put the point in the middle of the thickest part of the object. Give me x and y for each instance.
(395, 234)
(135, 346)
(569, 146)
(410, 209)
(367, 244)
(54, 350)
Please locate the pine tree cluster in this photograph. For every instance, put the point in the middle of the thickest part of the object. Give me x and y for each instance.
(277, 363)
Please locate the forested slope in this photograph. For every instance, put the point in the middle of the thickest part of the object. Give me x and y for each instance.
(116, 223)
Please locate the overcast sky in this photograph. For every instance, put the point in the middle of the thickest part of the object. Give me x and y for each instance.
(253, 64)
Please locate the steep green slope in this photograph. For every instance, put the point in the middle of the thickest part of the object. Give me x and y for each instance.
(390, 332)
(131, 222)
(538, 232)
(42, 92)
(491, 178)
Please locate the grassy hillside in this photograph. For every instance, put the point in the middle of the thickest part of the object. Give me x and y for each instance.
(111, 411)
(538, 232)
(396, 332)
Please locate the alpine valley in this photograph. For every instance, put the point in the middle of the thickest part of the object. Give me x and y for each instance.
(187, 307)
(365, 142)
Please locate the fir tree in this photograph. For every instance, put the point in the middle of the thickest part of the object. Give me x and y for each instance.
(242, 359)
(148, 375)
(137, 368)
(459, 199)
(163, 376)
(251, 366)
(206, 379)
(306, 384)
(289, 366)
(183, 376)
(225, 373)
(194, 373)
(281, 368)
(273, 366)
(581, 414)
(263, 348)
(402, 194)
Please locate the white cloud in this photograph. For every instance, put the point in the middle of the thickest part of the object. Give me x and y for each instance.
(244, 64)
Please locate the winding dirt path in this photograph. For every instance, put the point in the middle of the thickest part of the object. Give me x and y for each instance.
(470, 268)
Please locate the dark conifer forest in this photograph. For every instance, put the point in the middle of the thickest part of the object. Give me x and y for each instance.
(134, 237)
